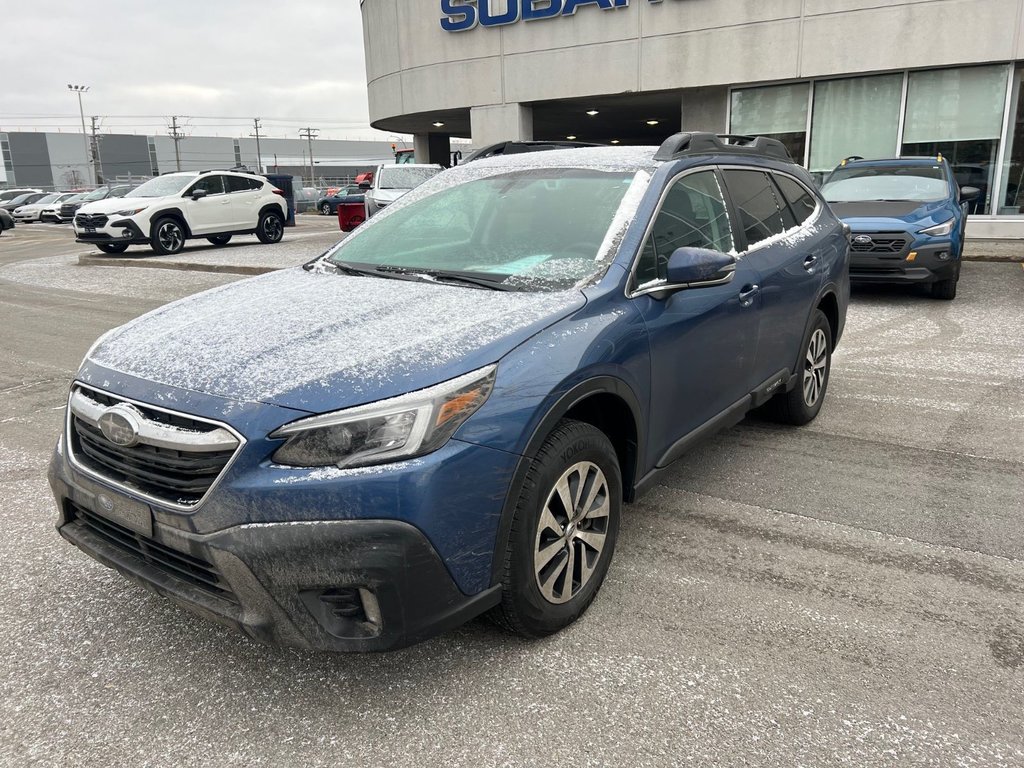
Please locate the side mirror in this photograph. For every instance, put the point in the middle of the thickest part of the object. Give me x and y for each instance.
(699, 266)
(198, 194)
(969, 194)
(365, 185)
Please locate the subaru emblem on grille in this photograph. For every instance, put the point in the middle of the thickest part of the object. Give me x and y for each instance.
(120, 425)
(863, 240)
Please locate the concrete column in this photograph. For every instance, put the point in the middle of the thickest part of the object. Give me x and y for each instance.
(501, 122)
(433, 148)
(705, 109)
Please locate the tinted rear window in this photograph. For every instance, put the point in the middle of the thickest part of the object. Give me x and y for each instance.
(756, 205)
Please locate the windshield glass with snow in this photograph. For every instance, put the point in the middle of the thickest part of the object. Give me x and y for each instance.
(161, 186)
(888, 183)
(404, 177)
(537, 229)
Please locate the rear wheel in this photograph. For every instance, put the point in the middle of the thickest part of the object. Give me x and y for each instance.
(270, 228)
(220, 239)
(563, 531)
(168, 236)
(801, 404)
(112, 247)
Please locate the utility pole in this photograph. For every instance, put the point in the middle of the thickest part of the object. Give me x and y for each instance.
(97, 164)
(259, 156)
(175, 133)
(309, 134)
(80, 89)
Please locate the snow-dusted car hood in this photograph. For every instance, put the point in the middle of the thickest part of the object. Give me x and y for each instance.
(387, 195)
(321, 341)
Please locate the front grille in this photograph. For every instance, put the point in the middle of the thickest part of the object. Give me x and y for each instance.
(68, 210)
(880, 243)
(187, 568)
(87, 220)
(179, 476)
(874, 270)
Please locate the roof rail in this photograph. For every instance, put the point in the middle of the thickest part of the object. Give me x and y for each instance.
(682, 144)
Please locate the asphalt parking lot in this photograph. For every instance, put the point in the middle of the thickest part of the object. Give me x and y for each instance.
(849, 593)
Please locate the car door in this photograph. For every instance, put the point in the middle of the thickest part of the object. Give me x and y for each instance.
(242, 195)
(209, 214)
(790, 269)
(703, 340)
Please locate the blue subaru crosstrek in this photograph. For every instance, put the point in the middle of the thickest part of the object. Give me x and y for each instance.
(444, 414)
(907, 217)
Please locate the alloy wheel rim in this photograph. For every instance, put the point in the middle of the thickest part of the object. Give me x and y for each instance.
(815, 363)
(572, 532)
(170, 236)
(272, 227)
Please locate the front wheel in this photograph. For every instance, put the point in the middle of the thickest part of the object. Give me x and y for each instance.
(325, 209)
(168, 236)
(563, 531)
(220, 239)
(112, 247)
(270, 228)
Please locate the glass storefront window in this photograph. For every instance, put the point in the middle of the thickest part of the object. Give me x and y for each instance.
(856, 116)
(1011, 193)
(777, 111)
(958, 113)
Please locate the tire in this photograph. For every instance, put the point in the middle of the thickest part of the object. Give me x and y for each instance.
(801, 404)
(325, 209)
(270, 228)
(168, 236)
(946, 289)
(112, 247)
(220, 239)
(539, 600)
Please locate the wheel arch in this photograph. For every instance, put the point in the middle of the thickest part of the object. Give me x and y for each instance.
(170, 213)
(605, 402)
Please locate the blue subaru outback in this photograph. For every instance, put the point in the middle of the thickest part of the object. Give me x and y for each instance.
(444, 414)
(907, 217)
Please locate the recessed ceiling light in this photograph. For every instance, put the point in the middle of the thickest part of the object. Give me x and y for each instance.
(652, 122)
(592, 112)
(439, 125)
(571, 138)
(615, 141)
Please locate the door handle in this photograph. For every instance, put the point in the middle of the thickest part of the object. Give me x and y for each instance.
(748, 293)
(810, 261)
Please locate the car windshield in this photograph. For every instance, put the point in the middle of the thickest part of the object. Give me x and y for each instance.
(47, 199)
(404, 177)
(856, 184)
(96, 194)
(540, 229)
(21, 198)
(162, 186)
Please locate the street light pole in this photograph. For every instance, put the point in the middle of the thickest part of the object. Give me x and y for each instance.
(80, 89)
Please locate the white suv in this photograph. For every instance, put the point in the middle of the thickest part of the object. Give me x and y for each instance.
(167, 210)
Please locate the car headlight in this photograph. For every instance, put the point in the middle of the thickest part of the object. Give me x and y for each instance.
(131, 211)
(939, 230)
(398, 428)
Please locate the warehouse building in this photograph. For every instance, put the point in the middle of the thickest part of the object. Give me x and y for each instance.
(830, 78)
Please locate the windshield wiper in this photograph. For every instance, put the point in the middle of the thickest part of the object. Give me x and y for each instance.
(458, 277)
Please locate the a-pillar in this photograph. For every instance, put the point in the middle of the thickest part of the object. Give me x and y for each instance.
(501, 122)
(433, 148)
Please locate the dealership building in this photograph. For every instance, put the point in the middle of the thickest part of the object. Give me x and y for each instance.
(829, 78)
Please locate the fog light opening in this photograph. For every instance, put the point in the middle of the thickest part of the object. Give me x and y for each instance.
(943, 255)
(371, 608)
(126, 234)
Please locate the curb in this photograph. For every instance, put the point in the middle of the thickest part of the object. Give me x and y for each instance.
(993, 258)
(88, 260)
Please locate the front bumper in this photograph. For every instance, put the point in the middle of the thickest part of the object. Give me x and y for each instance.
(927, 265)
(116, 230)
(26, 218)
(338, 585)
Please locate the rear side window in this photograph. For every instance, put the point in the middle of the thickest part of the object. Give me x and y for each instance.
(756, 205)
(801, 202)
(693, 216)
(241, 184)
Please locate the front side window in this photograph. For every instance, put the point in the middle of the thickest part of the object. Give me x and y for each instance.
(693, 215)
(540, 229)
(756, 205)
(214, 185)
(887, 183)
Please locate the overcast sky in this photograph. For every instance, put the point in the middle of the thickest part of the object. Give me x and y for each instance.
(291, 62)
